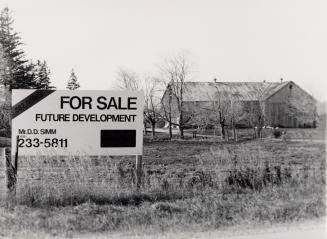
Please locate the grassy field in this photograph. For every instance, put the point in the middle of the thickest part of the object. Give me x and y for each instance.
(198, 183)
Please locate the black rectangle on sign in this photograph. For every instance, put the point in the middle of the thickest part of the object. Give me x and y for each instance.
(118, 138)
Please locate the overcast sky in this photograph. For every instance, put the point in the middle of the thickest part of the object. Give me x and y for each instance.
(231, 40)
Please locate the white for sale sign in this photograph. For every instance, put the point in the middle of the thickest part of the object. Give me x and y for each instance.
(64, 122)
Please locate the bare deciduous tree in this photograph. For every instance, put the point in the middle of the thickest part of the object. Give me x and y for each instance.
(255, 116)
(219, 110)
(127, 80)
(236, 112)
(152, 103)
(166, 109)
(175, 72)
(223, 108)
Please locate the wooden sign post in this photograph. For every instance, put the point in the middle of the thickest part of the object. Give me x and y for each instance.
(139, 172)
(10, 172)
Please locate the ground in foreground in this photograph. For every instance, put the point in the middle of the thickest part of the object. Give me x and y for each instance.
(199, 184)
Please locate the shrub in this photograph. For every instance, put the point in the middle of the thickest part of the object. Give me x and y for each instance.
(277, 133)
(256, 178)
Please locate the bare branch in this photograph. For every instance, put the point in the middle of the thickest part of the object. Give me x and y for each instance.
(127, 80)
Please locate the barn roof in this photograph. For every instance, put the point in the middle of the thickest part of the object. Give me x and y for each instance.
(244, 91)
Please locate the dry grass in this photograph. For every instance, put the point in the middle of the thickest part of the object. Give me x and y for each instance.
(186, 184)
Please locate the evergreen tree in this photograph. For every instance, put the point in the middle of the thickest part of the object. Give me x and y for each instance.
(3, 66)
(19, 73)
(72, 82)
(5, 99)
(41, 75)
(10, 41)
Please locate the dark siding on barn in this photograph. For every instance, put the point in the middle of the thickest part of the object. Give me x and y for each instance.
(291, 107)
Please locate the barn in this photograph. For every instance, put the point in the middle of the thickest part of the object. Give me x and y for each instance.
(282, 103)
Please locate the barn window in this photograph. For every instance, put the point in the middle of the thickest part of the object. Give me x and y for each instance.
(291, 86)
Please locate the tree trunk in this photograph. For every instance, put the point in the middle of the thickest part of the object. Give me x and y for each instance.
(181, 130)
(11, 173)
(153, 124)
(144, 128)
(170, 131)
(258, 132)
(223, 131)
(170, 118)
(181, 123)
(234, 134)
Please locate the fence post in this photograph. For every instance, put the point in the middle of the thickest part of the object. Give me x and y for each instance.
(10, 172)
(138, 171)
(16, 156)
